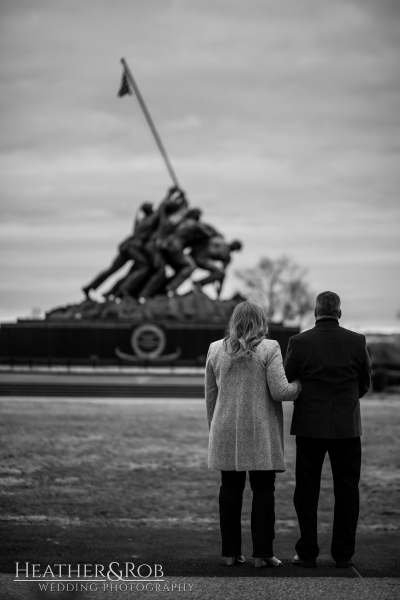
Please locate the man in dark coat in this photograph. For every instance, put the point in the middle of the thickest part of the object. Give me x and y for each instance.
(333, 366)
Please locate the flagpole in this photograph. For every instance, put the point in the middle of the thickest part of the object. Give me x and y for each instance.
(149, 121)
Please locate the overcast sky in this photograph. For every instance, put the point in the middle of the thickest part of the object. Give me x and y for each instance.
(281, 120)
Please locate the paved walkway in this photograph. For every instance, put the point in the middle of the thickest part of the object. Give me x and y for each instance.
(203, 579)
(208, 567)
(207, 588)
(102, 383)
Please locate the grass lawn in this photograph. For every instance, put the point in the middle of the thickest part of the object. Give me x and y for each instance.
(92, 480)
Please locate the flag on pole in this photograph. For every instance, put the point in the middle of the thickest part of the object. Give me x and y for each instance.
(124, 87)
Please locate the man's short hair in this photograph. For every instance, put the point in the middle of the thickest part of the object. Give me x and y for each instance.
(327, 303)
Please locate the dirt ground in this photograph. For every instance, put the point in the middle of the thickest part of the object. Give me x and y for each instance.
(91, 480)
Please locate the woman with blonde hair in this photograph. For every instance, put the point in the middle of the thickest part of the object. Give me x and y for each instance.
(245, 384)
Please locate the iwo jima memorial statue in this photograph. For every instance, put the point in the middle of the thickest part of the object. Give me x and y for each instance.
(143, 320)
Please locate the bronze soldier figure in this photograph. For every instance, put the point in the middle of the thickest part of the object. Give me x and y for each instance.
(187, 234)
(135, 280)
(209, 254)
(163, 237)
(169, 221)
(133, 248)
(129, 249)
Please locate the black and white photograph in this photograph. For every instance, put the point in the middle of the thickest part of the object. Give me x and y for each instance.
(200, 299)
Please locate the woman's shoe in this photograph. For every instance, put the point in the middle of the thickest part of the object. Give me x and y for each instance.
(234, 560)
(267, 562)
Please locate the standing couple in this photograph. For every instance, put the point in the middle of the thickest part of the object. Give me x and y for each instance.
(327, 371)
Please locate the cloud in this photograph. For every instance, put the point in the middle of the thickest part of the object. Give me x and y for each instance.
(189, 122)
(281, 121)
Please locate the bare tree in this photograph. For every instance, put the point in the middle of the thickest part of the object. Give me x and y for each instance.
(279, 286)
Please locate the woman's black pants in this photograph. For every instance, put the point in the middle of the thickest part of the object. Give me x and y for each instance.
(262, 484)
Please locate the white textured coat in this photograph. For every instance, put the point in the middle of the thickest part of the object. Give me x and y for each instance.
(244, 410)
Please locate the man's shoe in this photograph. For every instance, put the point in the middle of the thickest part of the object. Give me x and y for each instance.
(309, 564)
(344, 564)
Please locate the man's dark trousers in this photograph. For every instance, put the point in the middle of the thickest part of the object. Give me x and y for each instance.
(345, 458)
